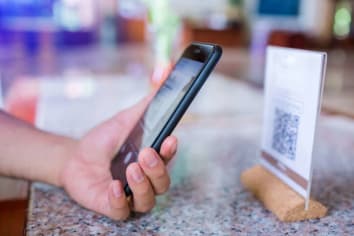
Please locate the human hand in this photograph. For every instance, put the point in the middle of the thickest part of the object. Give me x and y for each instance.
(87, 178)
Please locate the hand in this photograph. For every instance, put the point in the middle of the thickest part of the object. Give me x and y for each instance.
(86, 175)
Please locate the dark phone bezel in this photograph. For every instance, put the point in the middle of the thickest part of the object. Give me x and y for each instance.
(207, 53)
(210, 55)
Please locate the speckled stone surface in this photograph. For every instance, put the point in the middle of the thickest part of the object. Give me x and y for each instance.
(206, 197)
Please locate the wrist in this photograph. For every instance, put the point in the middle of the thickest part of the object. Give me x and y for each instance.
(67, 149)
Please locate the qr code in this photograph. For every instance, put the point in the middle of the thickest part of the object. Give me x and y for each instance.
(285, 133)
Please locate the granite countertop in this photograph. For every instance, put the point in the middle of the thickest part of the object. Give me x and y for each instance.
(206, 196)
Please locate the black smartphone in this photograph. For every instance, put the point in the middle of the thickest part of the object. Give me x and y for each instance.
(167, 106)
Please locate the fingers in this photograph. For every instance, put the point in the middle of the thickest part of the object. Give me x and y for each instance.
(168, 148)
(119, 207)
(146, 178)
(155, 170)
(143, 194)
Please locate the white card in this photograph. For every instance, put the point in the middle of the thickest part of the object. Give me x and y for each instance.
(293, 90)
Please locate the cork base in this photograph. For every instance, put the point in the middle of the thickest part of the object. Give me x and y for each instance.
(277, 197)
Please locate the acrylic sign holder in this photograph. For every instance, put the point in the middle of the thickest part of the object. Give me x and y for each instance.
(277, 197)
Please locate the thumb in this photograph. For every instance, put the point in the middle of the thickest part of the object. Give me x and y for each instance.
(106, 138)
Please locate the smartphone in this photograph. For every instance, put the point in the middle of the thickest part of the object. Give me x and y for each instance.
(167, 106)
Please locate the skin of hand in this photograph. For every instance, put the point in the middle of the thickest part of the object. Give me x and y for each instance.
(86, 174)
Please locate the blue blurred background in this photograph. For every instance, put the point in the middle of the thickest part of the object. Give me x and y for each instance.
(65, 23)
(142, 38)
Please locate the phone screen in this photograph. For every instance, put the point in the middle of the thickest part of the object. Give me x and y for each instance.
(168, 97)
(156, 115)
(168, 105)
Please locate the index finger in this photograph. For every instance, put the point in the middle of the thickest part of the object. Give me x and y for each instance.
(168, 148)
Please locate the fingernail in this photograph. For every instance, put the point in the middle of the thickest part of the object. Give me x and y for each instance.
(137, 175)
(173, 148)
(150, 160)
(117, 191)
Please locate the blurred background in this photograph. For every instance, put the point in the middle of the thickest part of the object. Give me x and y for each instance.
(89, 52)
(142, 38)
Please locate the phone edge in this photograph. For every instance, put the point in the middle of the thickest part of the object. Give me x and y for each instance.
(189, 96)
